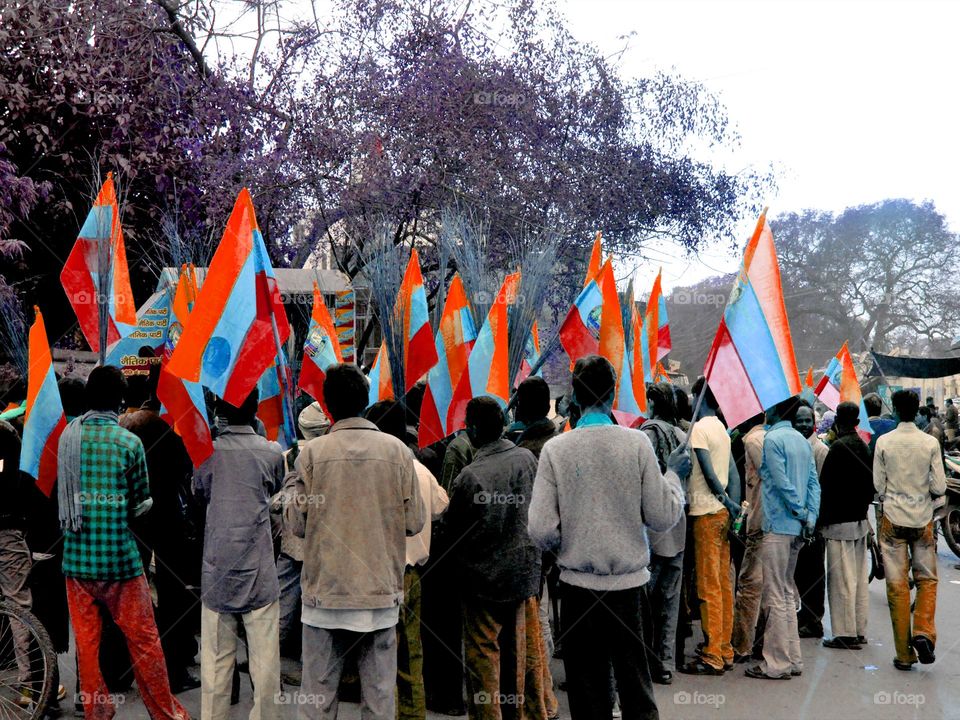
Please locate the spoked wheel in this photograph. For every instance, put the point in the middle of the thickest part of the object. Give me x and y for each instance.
(27, 664)
(950, 525)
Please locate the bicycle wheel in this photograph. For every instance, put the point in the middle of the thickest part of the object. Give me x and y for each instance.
(27, 664)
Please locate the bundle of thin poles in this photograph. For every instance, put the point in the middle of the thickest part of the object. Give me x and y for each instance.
(13, 328)
(536, 257)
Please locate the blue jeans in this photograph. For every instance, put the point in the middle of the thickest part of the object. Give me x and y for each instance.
(663, 590)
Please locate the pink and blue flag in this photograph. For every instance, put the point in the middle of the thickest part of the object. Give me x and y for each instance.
(454, 341)
(232, 335)
(840, 384)
(751, 365)
(380, 378)
(44, 419)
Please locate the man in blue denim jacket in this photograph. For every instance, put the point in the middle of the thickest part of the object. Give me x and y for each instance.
(791, 502)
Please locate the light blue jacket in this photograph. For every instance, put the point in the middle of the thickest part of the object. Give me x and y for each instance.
(788, 481)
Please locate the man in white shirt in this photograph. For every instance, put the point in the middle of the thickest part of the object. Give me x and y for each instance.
(908, 475)
(711, 510)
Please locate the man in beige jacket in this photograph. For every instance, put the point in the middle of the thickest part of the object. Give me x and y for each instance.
(357, 501)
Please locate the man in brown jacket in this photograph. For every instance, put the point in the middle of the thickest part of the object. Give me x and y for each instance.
(357, 501)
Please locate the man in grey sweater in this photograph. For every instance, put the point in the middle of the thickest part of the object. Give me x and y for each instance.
(597, 490)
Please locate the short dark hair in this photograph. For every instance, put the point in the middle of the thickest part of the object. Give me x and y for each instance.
(72, 396)
(105, 388)
(708, 396)
(533, 398)
(924, 410)
(242, 414)
(413, 401)
(873, 404)
(389, 417)
(663, 401)
(787, 409)
(346, 391)
(684, 412)
(485, 416)
(906, 403)
(848, 414)
(594, 381)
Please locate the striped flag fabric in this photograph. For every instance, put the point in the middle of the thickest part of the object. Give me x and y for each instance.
(381, 380)
(270, 403)
(419, 351)
(613, 347)
(531, 354)
(97, 265)
(657, 325)
(840, 384)
(596, 260)
(344, 322)
(321, 349)
(231, 337)
(637, 360)
(751, 365)
(488, 367)
(44, 420)
(184, 405)
(580, 330)
(454, 341)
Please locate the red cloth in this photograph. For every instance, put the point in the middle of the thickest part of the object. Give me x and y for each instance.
(129, 604)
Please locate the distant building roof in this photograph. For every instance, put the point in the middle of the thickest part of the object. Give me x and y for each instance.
(291, 281)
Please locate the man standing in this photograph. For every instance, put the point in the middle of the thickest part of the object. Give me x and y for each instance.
(746, 610)
(908, 475)
(101, 484)
(711, 509)
(390, 418)
(499, 571)
(791, 501)
(162, 534)
(239, 576)
(357, 501)
(603, 481)
(846, 491)
(951, 420)
(880, 425)
(666, 549)
(810, 576)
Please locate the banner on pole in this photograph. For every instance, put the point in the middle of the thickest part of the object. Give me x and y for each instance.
(344, 322)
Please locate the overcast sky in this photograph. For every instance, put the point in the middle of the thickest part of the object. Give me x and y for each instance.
(852, 101)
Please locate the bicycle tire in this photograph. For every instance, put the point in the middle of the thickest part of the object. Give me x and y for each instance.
(41, 639)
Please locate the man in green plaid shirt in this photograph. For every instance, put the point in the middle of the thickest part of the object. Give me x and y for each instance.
(102, 476)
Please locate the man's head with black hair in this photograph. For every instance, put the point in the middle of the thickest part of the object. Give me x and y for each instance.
(72, 395)
(848, 417)
(389, 418)
(345, 391)
(873, 404)
(105, 388)
(804, 421)
(906, 403)
(594, 383)
(533, 400)
(684, 411)
(783, 410)
(662, 402)
(750, 423)
(412, 403)
(484, 421)
(708, 404)
(242, 415)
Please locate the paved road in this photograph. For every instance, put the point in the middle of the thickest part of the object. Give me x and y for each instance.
(836, 684)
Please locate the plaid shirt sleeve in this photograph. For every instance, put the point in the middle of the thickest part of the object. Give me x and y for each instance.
(138, 485)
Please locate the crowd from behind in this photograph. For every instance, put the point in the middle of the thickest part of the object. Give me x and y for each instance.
(447, 578)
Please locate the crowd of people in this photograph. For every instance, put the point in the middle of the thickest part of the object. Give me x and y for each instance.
(447, 578)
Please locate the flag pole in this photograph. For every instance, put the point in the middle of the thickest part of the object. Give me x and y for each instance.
(283, 376)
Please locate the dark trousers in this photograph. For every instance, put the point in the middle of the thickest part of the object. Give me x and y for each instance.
(811, 580)
(441, 631)
(604, 629)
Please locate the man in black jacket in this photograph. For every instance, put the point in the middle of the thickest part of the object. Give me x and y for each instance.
(499, 572)
(846, 487)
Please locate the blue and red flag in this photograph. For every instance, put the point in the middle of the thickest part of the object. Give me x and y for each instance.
(270, 389)
(454, 341)
(580, 331)
(840, 384)
(321, 349)
(531, 355)
(419, 352)
(84, 280)
(488, 367)
(751, 365)
(183, 403)
(656, 325)
(380, 378)
(44, 419)
(232, 335)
